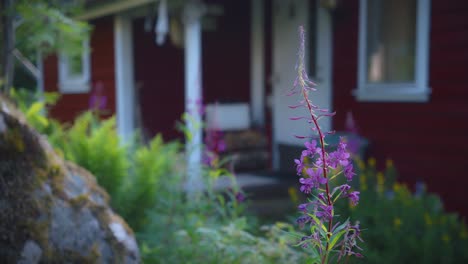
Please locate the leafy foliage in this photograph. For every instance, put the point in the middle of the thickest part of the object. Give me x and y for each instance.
(48, 27)
(152, 169)
(35, 110)
(405, 227)
(231, 243)
(95, 145)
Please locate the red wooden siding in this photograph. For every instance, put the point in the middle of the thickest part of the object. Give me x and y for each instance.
(159, 77)
(102, 70)
(226, 54)
(427, 141)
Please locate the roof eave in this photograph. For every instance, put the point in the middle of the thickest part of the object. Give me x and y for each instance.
(111, 8)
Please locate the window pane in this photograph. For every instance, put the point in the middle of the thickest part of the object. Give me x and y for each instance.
(391, 30)
(75, 65)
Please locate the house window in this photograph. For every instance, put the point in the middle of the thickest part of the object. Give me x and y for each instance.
(393, 50)
(74, 71)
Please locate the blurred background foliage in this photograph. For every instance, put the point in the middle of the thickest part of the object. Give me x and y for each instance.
(401, 226)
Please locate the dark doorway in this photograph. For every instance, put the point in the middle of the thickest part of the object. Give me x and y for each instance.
(159, 79)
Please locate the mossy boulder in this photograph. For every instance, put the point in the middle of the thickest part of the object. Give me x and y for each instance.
(53, 211)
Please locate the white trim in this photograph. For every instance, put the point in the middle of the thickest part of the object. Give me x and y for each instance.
(72, 84)
(423, 24)
(257, 70)
(112, 8)
(418, 91)
(124, 80)
(324, 54)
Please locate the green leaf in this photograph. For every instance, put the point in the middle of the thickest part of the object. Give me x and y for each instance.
(35, 109)
(318, 223)
(334, 239)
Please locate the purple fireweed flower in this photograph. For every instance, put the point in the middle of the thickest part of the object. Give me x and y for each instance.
(350, 124)
(98, 99)
(349, 172)
(354, 197)
(349, 243)
(311, 147)
(316, 166)
(304, 241)
(321, 197)
(307, 185)
(314, 180)
(344, 188)
(303, 207)
(344, 193)
(316, 176)
(208, 158)
(214, 140)
(240, 197)
(354, 144)
(196, 107)
(324, 212)
(340, 156)
(302, 220)
(200, 107)
(97, 102)
(299, 165)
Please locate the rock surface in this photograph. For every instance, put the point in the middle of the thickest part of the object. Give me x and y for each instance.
(52, 211)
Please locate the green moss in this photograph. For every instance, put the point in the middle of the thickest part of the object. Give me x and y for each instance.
(80, 201)
(94, 254)
(56, 178)
(14, 139)
(89, 179)
(39, 231)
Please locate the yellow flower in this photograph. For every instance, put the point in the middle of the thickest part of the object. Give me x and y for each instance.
(463, 232)
(380, 182)
(361, 164)
(427, 219)
(389, 163)
(372, 162)
(397, 223)
(446, 238)
(362, 181)
(293, 195)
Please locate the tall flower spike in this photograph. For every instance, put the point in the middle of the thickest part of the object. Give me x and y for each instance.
(315, 164)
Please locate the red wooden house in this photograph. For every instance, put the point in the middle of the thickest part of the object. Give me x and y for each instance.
(400, 66)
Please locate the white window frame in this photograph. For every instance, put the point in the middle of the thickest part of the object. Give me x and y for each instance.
(69, 83)
(417, 91)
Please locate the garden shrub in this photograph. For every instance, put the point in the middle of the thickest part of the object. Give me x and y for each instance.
(404, 226)
(231, 243)
(150, 165)
(95, 145)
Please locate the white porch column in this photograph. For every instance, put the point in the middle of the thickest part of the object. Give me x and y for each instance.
(257, 75)
(124, 80)
(193, 92)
